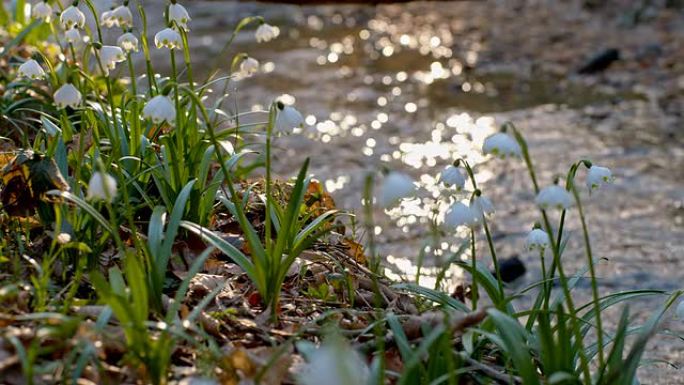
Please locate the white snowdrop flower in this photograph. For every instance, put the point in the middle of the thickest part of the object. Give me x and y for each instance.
(334, 363)
(459, 215)
(107, 19)
(287, 118)
(63, 238)
(67, 95)
(501, 145)
(680, 310)
(109, 56)
(43, 11)
(537, 239)
(598, 176)
(248, 67)
(101, 187)
(452, 176)
(128, 42)
(553, 197)
(168, 38)
(73, 36)
(31, 69)
(266, 32)
(395, 186)
(482, 206)
(160, 109)
(122, 16)
(180, 15)
(72, 17)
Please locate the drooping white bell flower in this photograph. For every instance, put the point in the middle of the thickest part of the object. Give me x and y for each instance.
(160, 109)
(122, 16)
(43, 11)
(101, 187)
(128, 42)
(287, 118)
(63, 238)
(334, 363)
(459, 215)
(31, 69)
(168, 38)
(248, 67)
(597, 177)
(110, 55)
(180, 15)
(452, 176)
(265, 33)
(72, 17)
(482, 206)
(395, 186)
(552, 197)
(501, 145)
(107, 19)
(73, 36)
(680, 310)
(537, 239)
(67, 95)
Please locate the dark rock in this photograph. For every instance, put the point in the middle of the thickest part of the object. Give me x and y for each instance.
(511, 269)
(600, 62)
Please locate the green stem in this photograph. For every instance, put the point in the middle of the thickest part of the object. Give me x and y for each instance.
(592, 274)
(474, 289)
(495, 261)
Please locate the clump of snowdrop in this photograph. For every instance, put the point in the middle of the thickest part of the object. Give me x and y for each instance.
(72, 36)
(72, 17)
(43, 11)
(537, 239)
(597, 177)
(553, 197)
(501, 145)
(101, 187)
(287, 118)
(395, 186)
(334, 363)
(128, 42)
(109, 56)
(265, 33)
(461, 215)
(248, 67)
(160, 109)
(67, 95)
(178, 14)
(31, 69)
(452, 177)
(168, 38)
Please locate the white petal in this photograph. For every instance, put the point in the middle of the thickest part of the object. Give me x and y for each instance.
(598, 176)
(460, 215)
(101, 187)
(501, 145)
(452, 176)
(395, 186)
(552, 197)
